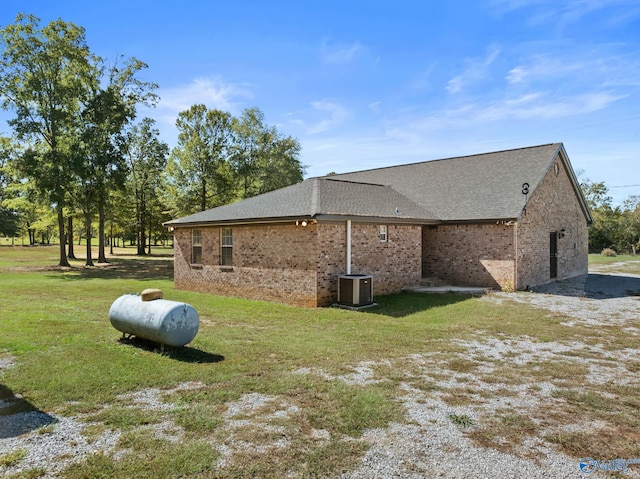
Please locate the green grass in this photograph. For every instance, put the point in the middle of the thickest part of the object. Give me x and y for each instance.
(13, 457)
(596, 258)
(68, 360)
(461, 420)
(620, 264)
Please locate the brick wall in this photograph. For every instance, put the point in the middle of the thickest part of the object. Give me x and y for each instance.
(270, 262)
(551, 208)
(394, 264)
(469, 254)
(298, 265)
(330, 260)
(483, 254)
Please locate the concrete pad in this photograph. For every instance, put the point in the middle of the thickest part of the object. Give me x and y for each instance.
(448, 289)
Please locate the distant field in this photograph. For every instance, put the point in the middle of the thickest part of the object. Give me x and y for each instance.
(599, 259)
(621, 264)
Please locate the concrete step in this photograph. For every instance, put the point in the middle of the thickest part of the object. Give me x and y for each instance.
(472, 290)
(432, 282)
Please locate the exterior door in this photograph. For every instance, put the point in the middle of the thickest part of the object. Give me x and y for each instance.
(553, 255)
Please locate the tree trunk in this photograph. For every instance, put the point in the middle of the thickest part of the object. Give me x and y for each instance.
(102, 258)
(63, 250)
(203, 195)
(88, 233)
(142, 238)
(149, 250)
(71, 254)
(111, 238)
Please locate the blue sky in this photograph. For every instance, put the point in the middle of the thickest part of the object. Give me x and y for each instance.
(363, 84)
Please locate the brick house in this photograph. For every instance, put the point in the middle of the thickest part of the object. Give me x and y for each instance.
(508, 219)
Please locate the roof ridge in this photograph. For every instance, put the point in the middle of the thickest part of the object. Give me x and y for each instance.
(441, 159)
(337, 180)
(315, 198)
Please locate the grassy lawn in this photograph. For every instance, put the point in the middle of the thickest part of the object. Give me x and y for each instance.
(67, 360)
(622, 263)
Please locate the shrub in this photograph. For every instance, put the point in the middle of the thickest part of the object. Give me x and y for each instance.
(508, 287)
(608, 252)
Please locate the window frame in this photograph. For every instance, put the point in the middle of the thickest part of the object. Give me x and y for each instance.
(196, 245)
(383, 233)
(226, 246)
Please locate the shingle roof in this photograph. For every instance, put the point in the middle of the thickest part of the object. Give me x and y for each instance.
(317, 198)
(469, 188)
(478, 187)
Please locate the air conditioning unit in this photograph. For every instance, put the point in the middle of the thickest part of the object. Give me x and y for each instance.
(355, 289)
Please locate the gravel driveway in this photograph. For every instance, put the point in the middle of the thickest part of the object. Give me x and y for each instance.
(430, 443)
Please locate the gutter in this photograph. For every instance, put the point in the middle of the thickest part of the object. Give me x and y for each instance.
(348, 246)
(248, 221)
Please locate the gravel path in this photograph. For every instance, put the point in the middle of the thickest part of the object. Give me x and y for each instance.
(430, 443)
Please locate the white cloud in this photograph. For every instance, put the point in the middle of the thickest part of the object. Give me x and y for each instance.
(337, 114)
(455, 84)
(342, 53)
(542, 107)
(324, 116)
(539, 105)
(476, 69)
(423, 80)
(213, 92)
(612, 12)
(517, 74)
(606, 66)
(545, 66)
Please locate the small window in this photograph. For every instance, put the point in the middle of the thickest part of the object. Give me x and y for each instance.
(196, 246)
(383, 233)
(226, 243)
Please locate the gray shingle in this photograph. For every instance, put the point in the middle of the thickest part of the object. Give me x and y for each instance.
(477, 187)
(469, 188)
(346, 198)
(314, 198)
(291, 201)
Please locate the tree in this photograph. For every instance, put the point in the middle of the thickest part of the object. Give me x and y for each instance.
(263, 159)
(9, 216)
(45, 74)
(615, 227)
(249, 148)
(146, 157)
(281, 165)
(220, 159)
(102, 165)
(631, 223)
(200, 160)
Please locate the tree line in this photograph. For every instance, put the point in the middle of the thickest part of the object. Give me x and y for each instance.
(78, 151)
(614, 227)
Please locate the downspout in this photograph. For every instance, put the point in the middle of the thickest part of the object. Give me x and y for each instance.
(348, 246)
(515, 286)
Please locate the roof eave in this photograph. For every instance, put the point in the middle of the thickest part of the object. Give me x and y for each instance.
(378, 219)
(480, 221)
(239, 221)
(575, 183)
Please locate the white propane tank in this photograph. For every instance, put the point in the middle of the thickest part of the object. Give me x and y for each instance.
(160, 320)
